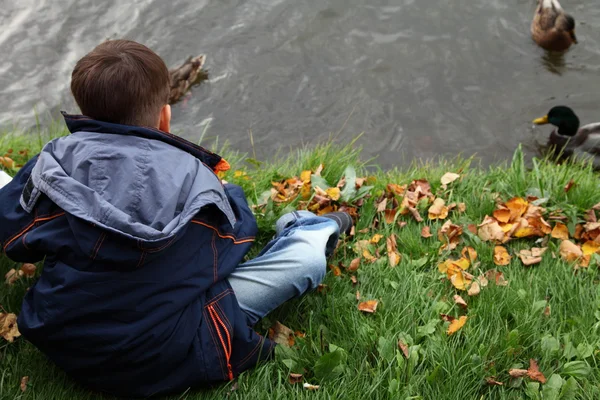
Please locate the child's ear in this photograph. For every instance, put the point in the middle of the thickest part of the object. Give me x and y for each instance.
(164, 124)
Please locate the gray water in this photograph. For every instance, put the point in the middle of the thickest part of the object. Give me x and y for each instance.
(420, 78)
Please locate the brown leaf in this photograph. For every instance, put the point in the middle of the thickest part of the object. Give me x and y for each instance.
(532, 256)
(569, 185)
(404, 348)
(474, 289)
(357, 295)
(12, 276)
(569, 251)
(28, 270)
(517, 373)
(491, 380)
(354, 280)
(7, 162)
(368, 306)
(392, 252)
(496, 276)
(447, 318)
(460, 301)
(590, 216)
(426, 232)
(415, 214)
(560, 231)
(281, 334)
(534, 372)
(24, 381)
(295, 378)
(472, 228)
(381, 206)
(547, 310)
(354, 264)
(462, 207)
(501, 256)
(8, 327)
(490, 230)
(322, 288)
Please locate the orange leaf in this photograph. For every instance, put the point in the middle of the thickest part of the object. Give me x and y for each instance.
(456, 325)
(28, 270)
(7, 162)
(517, 207)
(8, 327)
(502, 215)
(472, 254)
(336, 270)
(390, 215)
(569, 251)
(560, 231)
(501, 256)
(426, 232)
(368, 306)
(354, 264)
(472, 228)
(534, 372)
(393, 255)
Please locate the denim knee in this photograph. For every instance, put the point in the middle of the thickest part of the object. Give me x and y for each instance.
(312, 265)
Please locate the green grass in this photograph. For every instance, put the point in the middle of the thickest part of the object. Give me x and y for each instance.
(506, 325)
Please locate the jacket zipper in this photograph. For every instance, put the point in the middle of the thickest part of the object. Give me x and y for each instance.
(218, 322)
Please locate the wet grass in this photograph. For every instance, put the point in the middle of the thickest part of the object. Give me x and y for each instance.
(506, 327)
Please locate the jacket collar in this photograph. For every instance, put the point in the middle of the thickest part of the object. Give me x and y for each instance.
(78, 123)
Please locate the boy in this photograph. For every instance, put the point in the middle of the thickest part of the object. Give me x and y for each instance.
(143, 290)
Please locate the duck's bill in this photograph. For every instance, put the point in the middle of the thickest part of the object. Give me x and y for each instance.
(573, 37)
(541, 121)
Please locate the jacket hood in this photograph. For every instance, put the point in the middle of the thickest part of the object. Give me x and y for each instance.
(138, 187)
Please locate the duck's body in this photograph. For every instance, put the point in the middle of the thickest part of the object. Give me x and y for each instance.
(184, 76)
(569, 140)
(552, 29)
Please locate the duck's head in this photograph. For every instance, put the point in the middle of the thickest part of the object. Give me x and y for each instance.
(563, 118)
(567, 23)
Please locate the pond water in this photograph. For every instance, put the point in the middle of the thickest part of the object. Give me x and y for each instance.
(419, 78)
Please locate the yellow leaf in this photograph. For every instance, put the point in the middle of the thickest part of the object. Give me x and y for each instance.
(590, 247)
(501, 256)
(462, 262)
(333, 193)
(517, 207)
(456, 325)
(560, 231)
(238, 174)
(438, 210)
(469, 253)
(305, 176)
(367, 256)
(459, 279)
(443, 266)
(376, 238)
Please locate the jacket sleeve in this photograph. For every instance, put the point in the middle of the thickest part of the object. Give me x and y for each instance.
(14, 220)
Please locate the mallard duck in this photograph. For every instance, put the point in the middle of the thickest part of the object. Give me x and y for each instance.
(184, 76)
(552, 28)
(569, 139)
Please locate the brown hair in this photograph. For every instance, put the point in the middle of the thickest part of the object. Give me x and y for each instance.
(122, 82)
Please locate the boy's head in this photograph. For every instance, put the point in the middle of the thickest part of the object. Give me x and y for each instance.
(123, 82)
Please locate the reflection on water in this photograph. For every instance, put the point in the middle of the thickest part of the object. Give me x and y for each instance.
(419, 78)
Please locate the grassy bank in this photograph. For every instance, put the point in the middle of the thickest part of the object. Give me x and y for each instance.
(548, 312)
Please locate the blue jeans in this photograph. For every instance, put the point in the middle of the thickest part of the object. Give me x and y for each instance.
(291, 264)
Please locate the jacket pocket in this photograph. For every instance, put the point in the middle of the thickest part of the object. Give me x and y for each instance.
(218, 343)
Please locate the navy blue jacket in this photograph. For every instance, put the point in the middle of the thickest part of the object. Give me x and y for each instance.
(137, 235)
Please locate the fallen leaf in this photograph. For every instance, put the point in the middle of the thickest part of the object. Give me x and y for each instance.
(517, 373)
(357, 295)
(472, 228)
(517, 207)
(28, 270)
(462, 207)
(547, 310)
(354, 264)
(353, 280)
(456, 325)
(449, 234)
(569, 185)
(305, 176)
(490, 230)
(502, 215)
(24, 381)
(590, 216)
(8, 327)
(469, 253)
(560, 231)
(322, 288)
(496, 276)
(448, 178)
(368, 306)
(501, 256)
(534, 372)
(460, 301)
(376, 238)
(426, 232)
(7, 162)
(392, 252)
(281, 334)
(569, 251)
(381, 206)
(12, 276)
(404, 348)
(491, 380)
(438, 210)
(295, 378)
(390, 215)
(308, 386)
(336, 270)
(447, 318)
(474, 289)
(415, 214)
(459, 278)
(532, 256)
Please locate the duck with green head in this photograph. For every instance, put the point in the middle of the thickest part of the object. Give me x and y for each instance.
(569, 139)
